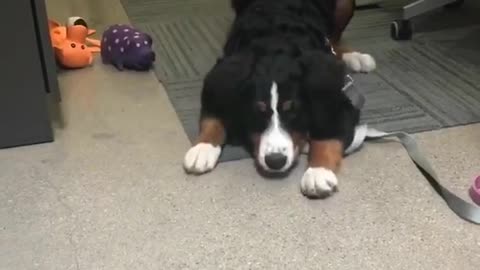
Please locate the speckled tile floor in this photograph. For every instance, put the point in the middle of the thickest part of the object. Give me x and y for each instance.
(110, 193)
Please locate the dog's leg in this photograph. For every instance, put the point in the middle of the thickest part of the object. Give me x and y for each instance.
(330, 131)
(203, 157)
(356, 61)
(325, 157)
(332, 123)
(220, 99)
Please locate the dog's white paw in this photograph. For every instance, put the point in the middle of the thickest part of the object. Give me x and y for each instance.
(201, 158)
(359, 62)
(318, 182)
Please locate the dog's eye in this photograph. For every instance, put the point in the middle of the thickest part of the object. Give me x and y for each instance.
(287, 105)
(261, 106)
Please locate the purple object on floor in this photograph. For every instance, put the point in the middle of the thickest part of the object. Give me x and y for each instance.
(475, 191)
(126, 47)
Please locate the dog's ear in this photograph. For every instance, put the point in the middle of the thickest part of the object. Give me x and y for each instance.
(224, 86)
(229, 72)
(322, 72)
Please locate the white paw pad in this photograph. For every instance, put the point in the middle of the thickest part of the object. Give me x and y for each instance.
(201, 158)
(318, 182)
(359, 62)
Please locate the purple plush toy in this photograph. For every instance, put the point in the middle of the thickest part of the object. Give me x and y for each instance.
(126, 47)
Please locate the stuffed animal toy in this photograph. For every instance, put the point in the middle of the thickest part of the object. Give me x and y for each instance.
(72, 47)
(126, 47)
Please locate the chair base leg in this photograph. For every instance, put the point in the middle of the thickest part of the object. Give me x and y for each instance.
(423, 6)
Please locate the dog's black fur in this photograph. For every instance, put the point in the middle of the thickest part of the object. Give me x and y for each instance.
(283, 41)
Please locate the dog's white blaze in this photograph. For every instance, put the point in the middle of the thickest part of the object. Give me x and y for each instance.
(275, 139)
(275, 121)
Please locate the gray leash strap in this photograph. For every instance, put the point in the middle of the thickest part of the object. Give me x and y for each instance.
(463, 209)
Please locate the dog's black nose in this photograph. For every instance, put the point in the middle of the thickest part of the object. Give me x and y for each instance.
(275, 161)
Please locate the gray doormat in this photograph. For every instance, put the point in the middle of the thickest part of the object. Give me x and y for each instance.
(429, 83)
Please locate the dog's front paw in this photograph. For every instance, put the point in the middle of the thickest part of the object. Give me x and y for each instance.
(318, 183)
(201, 158)
(359, 62)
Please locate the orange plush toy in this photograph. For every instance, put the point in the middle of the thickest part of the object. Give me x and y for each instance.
(73, 48)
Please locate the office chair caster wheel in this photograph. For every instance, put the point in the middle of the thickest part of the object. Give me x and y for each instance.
(401, 30)
(454, 5)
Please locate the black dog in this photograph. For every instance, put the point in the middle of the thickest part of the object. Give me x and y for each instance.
(279, 86)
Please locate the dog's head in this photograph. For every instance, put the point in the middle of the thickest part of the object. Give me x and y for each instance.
(275, 97)
(278, 129)
(278, 123)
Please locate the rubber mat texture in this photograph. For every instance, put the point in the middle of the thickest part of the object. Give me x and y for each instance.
(425, 84)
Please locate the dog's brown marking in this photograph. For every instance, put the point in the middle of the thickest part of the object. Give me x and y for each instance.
(287, 105)
(343, 14)
(211, 131)
(327, 154)
(262, 106)
(344, 10)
